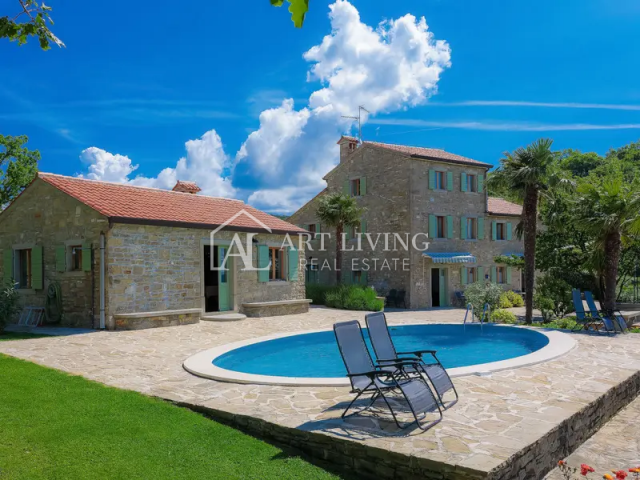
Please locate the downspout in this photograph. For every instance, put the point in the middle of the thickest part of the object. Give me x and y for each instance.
(102, 321)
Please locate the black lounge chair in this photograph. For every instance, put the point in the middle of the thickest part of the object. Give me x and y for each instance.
(615, 322)
(369, 379)
(588, 320)
(386, 354)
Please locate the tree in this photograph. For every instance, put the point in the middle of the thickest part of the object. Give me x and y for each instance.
(608, 208)
(528, 172)
(339, 211)
(18, 167)
(297, 8)
(37, 16)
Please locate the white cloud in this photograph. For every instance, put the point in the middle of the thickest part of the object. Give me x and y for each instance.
(205, 163)
(389, 68)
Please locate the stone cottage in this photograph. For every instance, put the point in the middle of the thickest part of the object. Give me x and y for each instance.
(409, 193)
(101, 254)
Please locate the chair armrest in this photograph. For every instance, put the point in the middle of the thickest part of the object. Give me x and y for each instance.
(418, 352)
(371, 375)
(396, 362)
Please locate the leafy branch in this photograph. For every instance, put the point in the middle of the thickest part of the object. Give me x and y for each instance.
(297, 8)
(37, 16)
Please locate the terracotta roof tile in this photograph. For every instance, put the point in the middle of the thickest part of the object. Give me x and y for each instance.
(499, 206)
(149, 205)
(188, 187)
(430, 153)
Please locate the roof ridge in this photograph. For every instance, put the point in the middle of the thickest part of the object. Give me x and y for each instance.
(408, 146)
(48, 174)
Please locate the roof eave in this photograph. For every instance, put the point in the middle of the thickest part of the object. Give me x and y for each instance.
(499, 214)
(459, 162)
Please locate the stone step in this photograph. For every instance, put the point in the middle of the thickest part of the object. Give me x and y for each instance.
(615, 446)
(223, 317)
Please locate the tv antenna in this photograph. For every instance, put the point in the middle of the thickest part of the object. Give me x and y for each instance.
(359, 119)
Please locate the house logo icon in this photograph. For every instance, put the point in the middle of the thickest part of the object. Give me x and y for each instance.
(235, 247)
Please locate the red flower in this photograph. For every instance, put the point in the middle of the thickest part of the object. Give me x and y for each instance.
(561, 463)
(621, 475)
(585, 469)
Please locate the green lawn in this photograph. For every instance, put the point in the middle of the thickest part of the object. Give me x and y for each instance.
(58, 426)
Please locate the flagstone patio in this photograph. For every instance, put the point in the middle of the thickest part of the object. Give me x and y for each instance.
(510, 424)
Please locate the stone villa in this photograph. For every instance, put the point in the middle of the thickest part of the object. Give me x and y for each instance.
(412, 191)
(156, 251)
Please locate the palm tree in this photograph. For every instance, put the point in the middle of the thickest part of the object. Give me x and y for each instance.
(609, 210)
(527, 172)
(339, 211)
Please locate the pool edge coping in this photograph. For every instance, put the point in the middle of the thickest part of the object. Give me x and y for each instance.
(201, 364)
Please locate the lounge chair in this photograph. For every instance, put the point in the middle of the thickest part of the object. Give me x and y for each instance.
(587, 320)
(615, 322)
(386, 353)
(369, 379)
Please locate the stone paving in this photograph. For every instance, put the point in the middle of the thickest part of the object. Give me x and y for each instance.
(498, 415)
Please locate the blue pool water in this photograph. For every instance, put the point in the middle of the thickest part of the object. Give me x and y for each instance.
(316, 355)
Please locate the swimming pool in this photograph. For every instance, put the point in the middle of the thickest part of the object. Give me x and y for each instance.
(313, 358)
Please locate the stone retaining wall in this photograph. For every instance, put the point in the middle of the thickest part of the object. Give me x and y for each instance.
(128, 322)
(266, 310)
(352, 457)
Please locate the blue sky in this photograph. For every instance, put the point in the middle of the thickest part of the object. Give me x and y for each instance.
(178, 91)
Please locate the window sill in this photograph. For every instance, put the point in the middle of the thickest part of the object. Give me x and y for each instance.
(25, 291)
(278, 282)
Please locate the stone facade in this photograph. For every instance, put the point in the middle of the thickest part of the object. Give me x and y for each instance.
(45, 217)
(398, 199)
(148, 268)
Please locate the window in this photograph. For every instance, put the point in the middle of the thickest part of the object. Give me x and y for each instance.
(76, 257)
(501, 231)
(441, 181)
(501, 275)
(312, 270)
(276, 257)
(312, 228)
(472, 228)
(357, 276)
(472, 183)
(355, 187)
(352, 146)
(22, 271)
(472, 275)
(440, 227)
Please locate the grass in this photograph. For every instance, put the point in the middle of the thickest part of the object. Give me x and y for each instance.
(6, 336)
(59, 426)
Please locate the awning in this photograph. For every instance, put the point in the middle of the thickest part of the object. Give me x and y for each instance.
(450, 257)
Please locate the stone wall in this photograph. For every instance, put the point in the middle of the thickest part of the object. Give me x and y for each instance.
(155, 319)
(44, 216)
(154, 268)
(398, 200)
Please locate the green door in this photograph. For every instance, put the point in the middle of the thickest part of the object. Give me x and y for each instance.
(443, 288)
(223, 280)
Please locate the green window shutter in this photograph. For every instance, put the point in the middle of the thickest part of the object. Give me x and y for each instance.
(293, 264)
(61, 259)
(463, 275)
(365, 277)
(363, 186)
(508, 230)
(433, 233)
(263, 261)
(346, 188)
(494, 274)
(463, 228)
(494, 230)
(449, 226)
(480, 183)
(450, 181)
(508, 274)
(480, 274)
(37, 269)
(317, 228)
(86, 257)
(432, 180)
(463, 182)
(7, 265)
(347, 232)
(480, 228)
(363, 226)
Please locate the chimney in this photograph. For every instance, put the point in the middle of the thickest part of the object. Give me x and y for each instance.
(187, 187)
(347, 145)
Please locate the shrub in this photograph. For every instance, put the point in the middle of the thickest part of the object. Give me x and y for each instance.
(9, 304)
(317, 292)
(479, 293)
(567, 323)
(350, 297)
(515, 299)
(503, 316)
(504, 301)
(545, 305)
(558, 291)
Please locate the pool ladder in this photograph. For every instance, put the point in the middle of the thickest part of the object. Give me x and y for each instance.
(485, 317)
